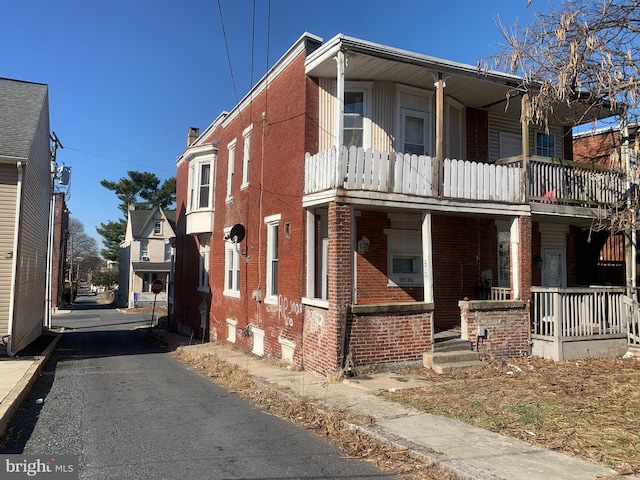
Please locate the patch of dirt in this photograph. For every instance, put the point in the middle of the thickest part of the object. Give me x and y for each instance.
(332, 424)
(586, 408)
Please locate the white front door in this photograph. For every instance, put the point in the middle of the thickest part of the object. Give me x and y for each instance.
(554, 267)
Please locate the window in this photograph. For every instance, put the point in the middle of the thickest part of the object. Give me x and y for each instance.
(231, 268)
(353, 119)
(545, 144)
(200, 185)
(203, 268)
(144, 250)
(414, 132)
(157, 227)
(504, 254)
(230, 166)
(317, 254)
(272, 258)
(246, 159)
(404, 249)
(455, 138)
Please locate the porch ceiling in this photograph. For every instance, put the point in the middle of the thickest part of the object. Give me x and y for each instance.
(366, 61)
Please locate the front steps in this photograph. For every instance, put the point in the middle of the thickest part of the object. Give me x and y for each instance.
(451, 355)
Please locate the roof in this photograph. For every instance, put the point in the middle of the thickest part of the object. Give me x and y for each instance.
(21, 104)
(140, 219)
(151, 266)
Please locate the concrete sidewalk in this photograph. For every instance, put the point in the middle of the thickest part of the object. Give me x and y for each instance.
(470, 452)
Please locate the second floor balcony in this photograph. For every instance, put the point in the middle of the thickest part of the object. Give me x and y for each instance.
(544, 180)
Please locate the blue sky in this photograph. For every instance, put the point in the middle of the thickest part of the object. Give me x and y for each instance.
(127, 78)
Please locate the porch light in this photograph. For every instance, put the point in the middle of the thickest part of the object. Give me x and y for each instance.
(363, 245)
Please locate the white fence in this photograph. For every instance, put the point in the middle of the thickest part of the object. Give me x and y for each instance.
(370, 170)
(577, 312)
(632, 308)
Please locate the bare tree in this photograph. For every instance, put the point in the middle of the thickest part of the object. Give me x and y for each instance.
(584, 55)
(83, 256)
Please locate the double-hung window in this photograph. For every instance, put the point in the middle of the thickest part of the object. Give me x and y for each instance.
(356, 124)
(404, 257)
(414, 128)
(504, 254)
(231, 157)
(144, 250)
(272, 224)
(200, 184)
(246, 159)
(157, 227)
(231, 268)
(545, 144)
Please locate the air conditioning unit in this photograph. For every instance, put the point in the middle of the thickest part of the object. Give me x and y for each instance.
(145, 258)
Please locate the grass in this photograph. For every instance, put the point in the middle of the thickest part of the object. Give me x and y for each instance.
(587, 408)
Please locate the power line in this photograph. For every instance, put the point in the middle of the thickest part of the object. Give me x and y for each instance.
(226, 46)
(119, 160)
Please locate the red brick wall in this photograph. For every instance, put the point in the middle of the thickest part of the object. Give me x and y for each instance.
(279, 141)
(597, 149)
(371, 267)
(525, 258)
(462, 248)
(393, 337)
(507, 325)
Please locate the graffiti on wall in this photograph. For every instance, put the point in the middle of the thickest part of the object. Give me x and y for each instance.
(288, 309)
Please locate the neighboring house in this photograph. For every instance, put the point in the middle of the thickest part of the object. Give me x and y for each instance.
(25, 198)
(380, 197)
(146, 255)
(60, 235)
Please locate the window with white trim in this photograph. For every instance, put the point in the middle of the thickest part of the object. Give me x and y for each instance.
(414, 131)
(200, 192)
(246, 159)
(545, 144)
(356, 119)
(404, 257)
(231, 268)
(318, 254)
(203, 267)
(455, 139)
(144, 250)
(272, 224)
(231, 157)
(157, 227)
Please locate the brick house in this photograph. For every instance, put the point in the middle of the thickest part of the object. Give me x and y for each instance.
(362, 199)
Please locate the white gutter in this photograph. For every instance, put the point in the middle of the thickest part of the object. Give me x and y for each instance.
(14, 260)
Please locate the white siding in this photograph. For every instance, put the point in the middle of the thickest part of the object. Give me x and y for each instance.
(8, 179)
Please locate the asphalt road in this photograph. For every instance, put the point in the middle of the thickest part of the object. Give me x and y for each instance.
(131, 411)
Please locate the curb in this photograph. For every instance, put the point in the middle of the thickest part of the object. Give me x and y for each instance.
(14, 398)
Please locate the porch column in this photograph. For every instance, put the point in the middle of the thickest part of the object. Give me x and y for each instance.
(340, 281)
(440, 117)
(521, 258)
(630, 234)
(515, 258)
(339, 119)
(524, 126)
(427, 257)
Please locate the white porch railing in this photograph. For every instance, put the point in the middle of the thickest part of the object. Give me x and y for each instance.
(370, 170)
(577, 312)
(632, 308)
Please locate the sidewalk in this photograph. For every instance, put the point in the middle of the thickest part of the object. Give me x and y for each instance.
(470, 452)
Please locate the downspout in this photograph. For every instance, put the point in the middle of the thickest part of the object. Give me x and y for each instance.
(14, 260)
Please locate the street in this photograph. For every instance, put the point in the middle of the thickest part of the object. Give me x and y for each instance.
(131, 411)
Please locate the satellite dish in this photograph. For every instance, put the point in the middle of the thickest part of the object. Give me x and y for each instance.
(237, 233)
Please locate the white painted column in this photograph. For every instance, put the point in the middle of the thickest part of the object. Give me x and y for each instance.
(427, 257)
(515, 259)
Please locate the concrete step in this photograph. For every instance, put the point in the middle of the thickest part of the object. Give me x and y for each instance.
(452, 344)
(457, 367)
(430, 359)
(451, 361)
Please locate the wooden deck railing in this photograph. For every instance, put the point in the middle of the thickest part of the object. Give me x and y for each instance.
(577, 312)
(632, 308)
(370, 170)
(548, 180)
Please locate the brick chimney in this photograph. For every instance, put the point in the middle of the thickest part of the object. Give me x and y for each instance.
(194, 133)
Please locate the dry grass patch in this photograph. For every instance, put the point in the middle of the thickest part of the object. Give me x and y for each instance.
(588, 408)
(332, 424)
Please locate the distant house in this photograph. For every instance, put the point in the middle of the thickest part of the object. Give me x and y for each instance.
(362, 202)
(25, 199)
(145, 256)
